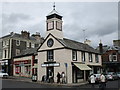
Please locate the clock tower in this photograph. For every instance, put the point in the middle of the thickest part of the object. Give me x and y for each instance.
(54, 24)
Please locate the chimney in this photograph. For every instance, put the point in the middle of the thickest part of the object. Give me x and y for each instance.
(25, 34)
(100, 47)
(37, 36)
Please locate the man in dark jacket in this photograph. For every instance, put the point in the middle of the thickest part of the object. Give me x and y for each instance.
(58, 77)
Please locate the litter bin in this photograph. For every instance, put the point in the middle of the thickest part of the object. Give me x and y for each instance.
(34, 78)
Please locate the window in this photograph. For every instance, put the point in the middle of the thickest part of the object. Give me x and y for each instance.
(4, 43)
(74, 55)
(110, 57)
(114, 57)
(50, 55)
(27, 44)
(17, 42)
(5, 53)
(36, 61)
(17, 52)
(90, 57)
(83, 56)
(32, 45)
(7, 42)
(96, 58)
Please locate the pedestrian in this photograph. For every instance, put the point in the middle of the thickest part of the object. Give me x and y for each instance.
(63, 77)
(58, 77)
(92, 80)
(102, 81)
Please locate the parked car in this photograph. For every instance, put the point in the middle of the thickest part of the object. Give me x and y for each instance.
(118, 73)
(112, 76)
(97, 78)
(3, 75)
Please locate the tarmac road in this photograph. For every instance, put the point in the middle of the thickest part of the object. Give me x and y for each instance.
(112, 85)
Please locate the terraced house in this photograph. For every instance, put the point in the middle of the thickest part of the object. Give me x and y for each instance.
(13, 44)
(58, 54)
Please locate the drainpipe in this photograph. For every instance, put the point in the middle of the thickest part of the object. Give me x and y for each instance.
(33, 57)
(84, 75)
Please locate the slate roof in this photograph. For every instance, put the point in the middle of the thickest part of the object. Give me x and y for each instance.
(31, 51)
(77, 45)
(16, 35)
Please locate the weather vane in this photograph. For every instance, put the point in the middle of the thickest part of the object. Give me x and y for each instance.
(54, 6)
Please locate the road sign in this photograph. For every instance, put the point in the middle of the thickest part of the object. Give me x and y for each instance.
(66, 65)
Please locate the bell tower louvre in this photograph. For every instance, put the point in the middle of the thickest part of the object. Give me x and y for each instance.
(54, 24)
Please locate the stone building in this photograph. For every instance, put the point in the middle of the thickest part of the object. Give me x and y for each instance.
(58, 54)
(25, 64)
(13, 44)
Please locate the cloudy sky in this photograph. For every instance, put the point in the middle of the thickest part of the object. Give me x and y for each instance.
(98, 19)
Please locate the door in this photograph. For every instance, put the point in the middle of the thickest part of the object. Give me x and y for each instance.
(50, 74)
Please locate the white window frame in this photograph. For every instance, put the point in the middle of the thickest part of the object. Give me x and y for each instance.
(32, 45)
(28, 45)
(90, 57)
(74, 55)
(96, 58)
(17, 42)
(50, 55)
(110, 58)
(17, 51)
(83, 56)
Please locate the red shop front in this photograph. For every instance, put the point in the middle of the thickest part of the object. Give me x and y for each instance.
(23, 68)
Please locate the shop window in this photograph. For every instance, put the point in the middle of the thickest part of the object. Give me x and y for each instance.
(50, 55)
(35, 61)
(80, 74)
(17, 70)
(74, 55)
(83, 56)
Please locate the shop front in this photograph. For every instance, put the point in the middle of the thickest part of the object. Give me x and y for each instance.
(23, 68)
(4, 66)
(80, 72)
(50, 70)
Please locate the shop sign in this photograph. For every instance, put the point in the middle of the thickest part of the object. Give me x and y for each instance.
(51, 64)
(5, 62)
(23, 62)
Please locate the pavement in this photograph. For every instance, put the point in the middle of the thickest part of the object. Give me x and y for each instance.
(26, 79)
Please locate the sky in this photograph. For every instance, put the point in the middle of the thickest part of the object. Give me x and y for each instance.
(98, 19)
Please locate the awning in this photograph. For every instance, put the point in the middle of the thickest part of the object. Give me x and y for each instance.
(35, 66)
(82, 66)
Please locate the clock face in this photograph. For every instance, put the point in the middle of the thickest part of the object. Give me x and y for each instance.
(50, 42)
(50, 25)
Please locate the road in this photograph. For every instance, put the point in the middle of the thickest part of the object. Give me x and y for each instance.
(21, 84)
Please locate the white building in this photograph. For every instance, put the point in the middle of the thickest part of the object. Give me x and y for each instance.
(58, 54)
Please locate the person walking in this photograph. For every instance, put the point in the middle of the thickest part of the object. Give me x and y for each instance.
(58, 77)
(92, 80)
(63, 77)
(102, 81)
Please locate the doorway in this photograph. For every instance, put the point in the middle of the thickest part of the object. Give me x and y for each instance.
(50, 74)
